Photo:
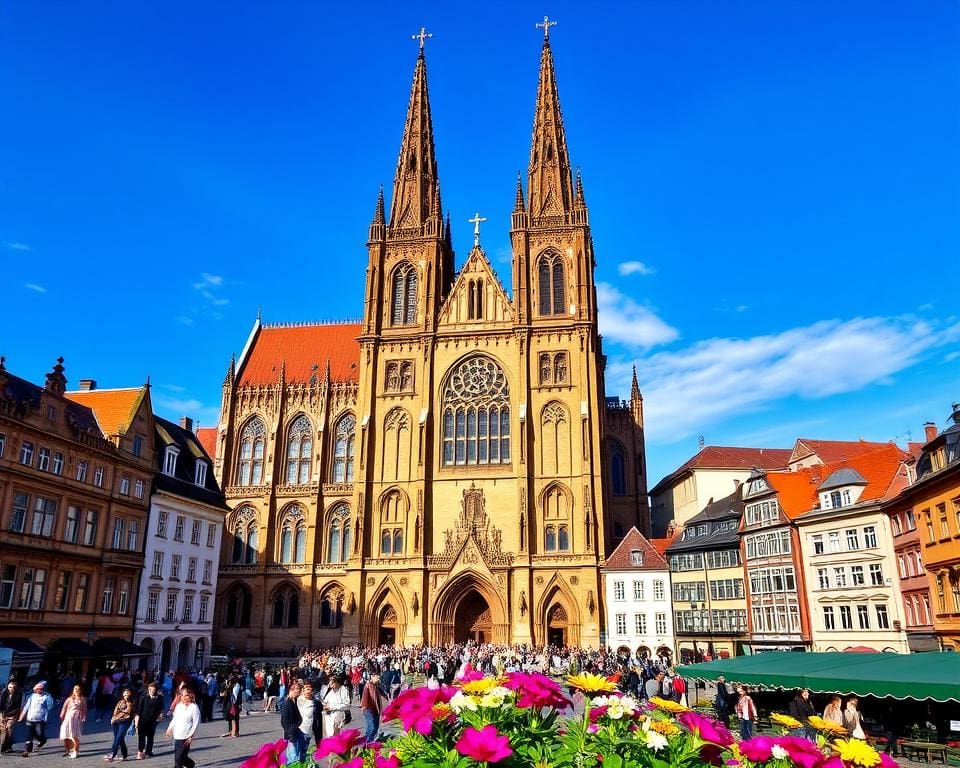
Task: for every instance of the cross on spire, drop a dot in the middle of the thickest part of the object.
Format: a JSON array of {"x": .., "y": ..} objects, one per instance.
[
  {"x": 546, "y": 24},
  {"x": 477, "y": 218},
  {"x": 422, "y": 36}
]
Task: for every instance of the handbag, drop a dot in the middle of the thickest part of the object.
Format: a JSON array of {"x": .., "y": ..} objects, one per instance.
[{"x": 347, "y": 716}]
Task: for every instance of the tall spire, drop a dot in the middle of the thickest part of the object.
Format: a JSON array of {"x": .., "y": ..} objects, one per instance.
[
  {"x": 549, "y": 183},
  {"x": 378, "y": 228},
  {"x": 415, "y": 196}
]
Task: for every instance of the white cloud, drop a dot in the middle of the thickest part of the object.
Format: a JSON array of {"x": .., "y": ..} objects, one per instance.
[
  {"x": 951, "y": 356},
  {"x": 175, "y": 407},
  {"x": 206, "y": 279},
  {"x": 624, "y": 321},
  {"x": 35, "y": 287},
  {"x": 716, "y": 379},
  {"x": 17, "y": 246},
  {"x": 635, "y": 268},
  {"x": 209, "y": 288},
  {"x": 183, "y": 319}
]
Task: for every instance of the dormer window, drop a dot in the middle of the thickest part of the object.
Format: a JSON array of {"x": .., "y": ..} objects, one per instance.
[
  {"x": 757, "y": 485},
  {"x": 170, "y": 460},
  {"x": 636, "y": 557},
  {"x": 200, "y": 478}
]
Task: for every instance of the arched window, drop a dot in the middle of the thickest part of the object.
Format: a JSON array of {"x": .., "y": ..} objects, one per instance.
[
  {"x": 476, "y": 414},
  {"x": 551, "y": 285},
  {"x": 344, "y": 435},
  {"x": 250, "y": 465},
  {"x": 404, "y": 310},
  {"x": 563, "y": 539},
  {"x": 239, "y": 604},
  {"x": 550, "y": 539},
  {"x": 618, "y": 476},
  {"x": 556, "y": 503},
  {"x": 331, "y": 609},
  {"x": 299, "y": 451},
  {"x": 397, "y": 542},
  {"x": 386, "y": 543},
  {"x": 293, "y": 535},
  {"x": 286, "y": 607},
  {"x": 245, "y": 526},
  {"x": 338, "y": 534}
]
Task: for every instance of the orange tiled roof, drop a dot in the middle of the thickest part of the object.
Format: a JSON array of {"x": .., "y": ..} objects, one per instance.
[
  {"x": 619, "y": 559},
  {"x": 113, "y": 408},
  {"x": 207, "y": 437},
  {"x": 831, "y": 451},
  {"x": 299, "y": 348}
]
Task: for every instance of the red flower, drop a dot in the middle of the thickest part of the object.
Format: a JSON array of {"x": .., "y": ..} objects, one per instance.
[
  {"x": 470, "y": 674},
  {"x": 484, "y": 745},
  {"x": 414, "y": 707},
  {"x": 597, "y": 712},
  {"x": 706, "y": 728},
  {"x": 711, "y": 755},
  {"x": 536, "y": 691},
  {"x": 759, "y": 749},
  {"x": 340, "y": 744},
  {"x": 268, "y": 756},
  {"x": 804, "y": 753}
]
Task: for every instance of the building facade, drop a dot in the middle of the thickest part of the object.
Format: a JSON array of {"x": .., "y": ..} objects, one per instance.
[
  {"x": 74, "y": 495},
  {"x": 709, "y": 598},
  {"x": 449, "y": 467},
  {"x": 637, "y": 588},
  {"x": 175, "y": 609}
]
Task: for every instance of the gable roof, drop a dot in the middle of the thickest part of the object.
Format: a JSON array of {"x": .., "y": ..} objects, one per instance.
[
  {"x": 831, "y": 451},
  {"x": 619, "y": 559},
  {"x": 728, "y": 457},
  {"x": 841, "y": 477},
  {"x": 208, "y": 439},
  {"x": 298, "y": 348},
  {"x": 725, "y": 509},
  {"x": 182, "y": 482},
  {"x": 498, "y": 310},
  {"x": 114, "y": 408},
  {"x": 27, "y": 395}
]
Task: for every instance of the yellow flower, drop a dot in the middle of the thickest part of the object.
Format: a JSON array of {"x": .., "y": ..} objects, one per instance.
[
  {"x": 857, "y": 752},
  {"x": 668, "y": 706},
  {"x": 826, "y": 725},
  {"x": 665, "y": 727},
  {"x": 481, "y": 686},
  {"x": 785, "y": 720},
  {"x": 590, "y": 683}
]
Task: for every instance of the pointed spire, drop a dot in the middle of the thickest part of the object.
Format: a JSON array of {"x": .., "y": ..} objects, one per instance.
[
  {"x": 231, "y": 371},
  {"x": 579, "y": 193},
  {"x": 635, "y": 387},
  {"x": 378, "y": 216},
  {"x": 414, "y": 188},
  {"x": 549, "y": 182},
  {"x": 518, "y": 204},
  {"x": 448, "y": 236},
  {"x": 378, "y": 229}
]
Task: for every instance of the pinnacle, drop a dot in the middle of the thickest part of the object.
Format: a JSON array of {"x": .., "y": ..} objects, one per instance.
[
  {"x": 378, "y": 216},
  {"x": 518, "y": 204}
]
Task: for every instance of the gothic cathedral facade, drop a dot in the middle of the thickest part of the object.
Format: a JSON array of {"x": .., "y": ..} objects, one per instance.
[{"x": 448, "y": 468}]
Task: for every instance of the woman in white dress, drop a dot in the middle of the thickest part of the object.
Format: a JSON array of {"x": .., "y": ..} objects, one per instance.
[{"x": 336, "y": 706}]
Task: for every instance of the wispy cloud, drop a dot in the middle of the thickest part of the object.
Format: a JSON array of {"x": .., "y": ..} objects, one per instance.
[
  {"x": 35, "y": 287},
  {"x": 625, "y": 321},
  {"x": 174, "y": 387},
  {"x": 635, "y": 268},
  {"x": 951, "y": 356},
  {"x": 175, "y": 407},
  {"x": 716, "y": 379},
  {"x": 184, "y": 320},
  {"x": 210, "y": 290},
  {"x": 14, "y": 246}
]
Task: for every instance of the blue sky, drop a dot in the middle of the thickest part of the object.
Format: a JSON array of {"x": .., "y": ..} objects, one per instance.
[{"x": 774, "y": 190}]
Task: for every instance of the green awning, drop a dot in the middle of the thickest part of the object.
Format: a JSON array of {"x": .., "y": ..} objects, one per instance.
[{"x": 933, "y": 676}]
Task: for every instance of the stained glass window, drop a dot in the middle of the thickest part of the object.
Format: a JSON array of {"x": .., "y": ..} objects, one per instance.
[
  {"x": 344, "y": 436},
  {"x": 299, "y": 451},
  {"x": 476, "y": 416},
  {"x": 550, "y": 284},
  {"x": 250, "y": 465}
]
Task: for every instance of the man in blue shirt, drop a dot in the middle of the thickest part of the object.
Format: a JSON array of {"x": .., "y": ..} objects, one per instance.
[{"x": 36, "y": 710}]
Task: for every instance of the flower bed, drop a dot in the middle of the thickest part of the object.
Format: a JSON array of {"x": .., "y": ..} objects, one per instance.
[{"x": 519, "y": 721}]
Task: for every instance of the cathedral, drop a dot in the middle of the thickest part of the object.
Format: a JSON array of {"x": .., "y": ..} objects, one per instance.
[{"x": 448, "y": 468}]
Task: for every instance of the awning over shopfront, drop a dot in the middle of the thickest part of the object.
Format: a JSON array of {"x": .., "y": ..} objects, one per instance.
[
  {"x": 904, "y": 676},
  {"x": 72, "y": 647},
  {"x": 117, "y": 646},
  {"x": 25, "y": 651}
]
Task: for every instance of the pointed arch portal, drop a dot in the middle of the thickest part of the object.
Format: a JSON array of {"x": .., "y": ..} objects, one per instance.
[
  {"x": 472, "y": 619},
  {"x": 469, "y": 607}
]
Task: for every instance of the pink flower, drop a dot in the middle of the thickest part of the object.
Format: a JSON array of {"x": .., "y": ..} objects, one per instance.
[
  {"x": 484, "y": 745},
  {"x": 888, "y": 762},
  {"x": 804, "y": 753},
  {"x": 354, "y": 762},
  {"x": 758, "y": 749},
  {"x": 833, "y": 762},
  {"x": 470, "y": 674},
  {"x": 414, "y": 707},
  {"x": 593, "y": 728},
  {"x": 706, "y": 728},
  {"x": 268, "y": 756},
  {"x": 597, "y": 712},
  {"x": 536, "y": 691},
  {"x": 340, "y": 744},
  {"x": 388, "y": 762}
]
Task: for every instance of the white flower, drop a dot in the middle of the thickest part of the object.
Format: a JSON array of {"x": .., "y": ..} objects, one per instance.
[
  {"x": 656, "y": 741},
  {"x": 778, "y": 752},
  {"x": 600, "y": 701},
  {"x": 495, "y": 697},
  {"x": 461, "y": 701}
]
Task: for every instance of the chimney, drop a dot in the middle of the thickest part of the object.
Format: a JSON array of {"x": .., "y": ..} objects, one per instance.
[
  {"x": 88, "y": 385},
  {"x": 186, "y": 423},
  {"x": 929, "y": 431}
]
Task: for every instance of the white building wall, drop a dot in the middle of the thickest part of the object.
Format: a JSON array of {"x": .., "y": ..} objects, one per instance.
[
  {"x": 182, "y": 638},
  {"x": 648, "y": 601}
]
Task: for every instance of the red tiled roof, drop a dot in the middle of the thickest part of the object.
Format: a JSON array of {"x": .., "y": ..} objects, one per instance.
[
  {"x": 729, "y": 457},
  {"x": 207, "y": 437},
  {"x": 830, "y": 451},
  {"x": 299, "y": 348},
  {"x": 661, "y": 545},
  {"x": 113, "y": 408},
  {"x": 619, "y": 559}
]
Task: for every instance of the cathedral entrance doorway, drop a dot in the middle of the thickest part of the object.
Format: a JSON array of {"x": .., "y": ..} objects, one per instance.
[
  {"x": 472, "y": 619},
  {"x": 557, "y": 626},
  {"x": 387, "y": 634}
]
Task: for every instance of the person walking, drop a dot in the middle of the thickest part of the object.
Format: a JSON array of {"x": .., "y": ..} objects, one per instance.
[
  {"x": 232, "y": 702},
  {"x": 149, "y": 713},
  {"x": 336, "y": 706},
  {"x": 853, "y": 720},
  {"x": 746, "y": 712},
  {"x": 35, "y": 711},
  {"x": 73, "y": 714},
  {"x": 11, "y": 702},
  {"x": 722, "y": 702},
  {"x": 310, "y": 723},
  {"x": 371, "y": 702},
  {"x": 833, "y": 712},
  {"x": 122, "y": 718},
  {"x": 290, "y": 721},
  {"x": 183, "y": 725}
]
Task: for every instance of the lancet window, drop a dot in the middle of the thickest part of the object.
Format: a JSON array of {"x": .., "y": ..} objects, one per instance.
[
  {"x": 476, "y": 414},
  {"x": 299, "y": 451},
  {"x": 245, "y": 536},
  {"x": 339, "y": 538},
  {"x": 404, "y": 298},
  {"x": 250, "y": 464},
  {"x": 551, "y": 284},
  {"x": 343, "y": 448},
  {"x": 293, "y": 535}
]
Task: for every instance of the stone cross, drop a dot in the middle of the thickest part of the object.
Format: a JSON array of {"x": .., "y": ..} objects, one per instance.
[
  {"x": 477, "y": 218},
  {"x": 546, "y": 24},
  {"x": 423, "y": 35}
]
